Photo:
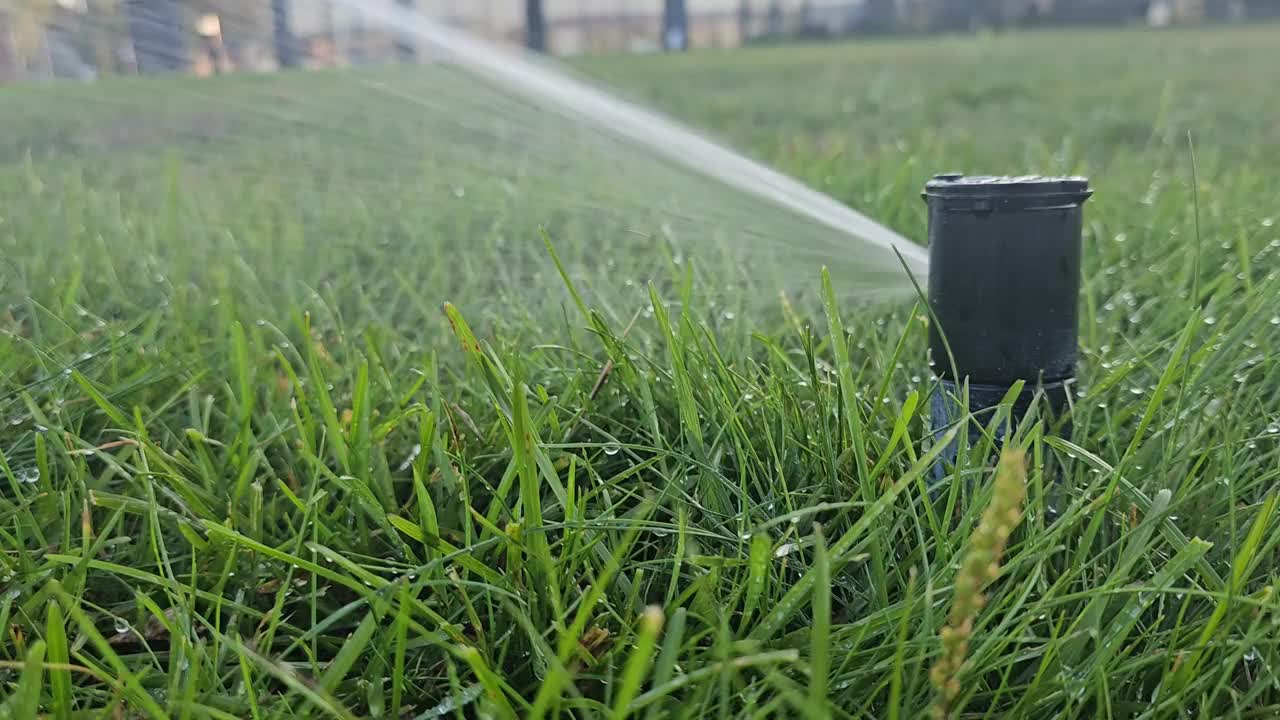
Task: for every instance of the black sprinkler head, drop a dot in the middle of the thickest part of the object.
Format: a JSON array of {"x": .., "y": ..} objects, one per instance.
[{"x": 1004, "y": 285}]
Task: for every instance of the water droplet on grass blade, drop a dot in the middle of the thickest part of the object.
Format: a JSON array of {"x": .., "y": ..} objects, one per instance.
[
  {"x": 413, "y": 455},
  {"x": 612, "y": 449},
  {"x": 121, "y": 625}
]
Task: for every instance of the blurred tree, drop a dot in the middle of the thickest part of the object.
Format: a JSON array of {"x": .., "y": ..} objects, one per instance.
[{"x": 535, "y": 26}]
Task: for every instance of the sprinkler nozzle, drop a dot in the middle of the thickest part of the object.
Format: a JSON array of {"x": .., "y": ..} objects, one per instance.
[{"x": 1004, "y": 285}]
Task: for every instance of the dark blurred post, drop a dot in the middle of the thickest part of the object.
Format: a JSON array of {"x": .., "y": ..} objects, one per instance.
[
  {"x": 286, "y": 49},
  {"x": 157, "y": 32},
  {"x": 744, "y": 21},
  {"x": 404, "y": 41},
  {"x": 880, "y": 17},
  {"x": 535, "y": 26},
  {"x": 8, "y": 54},
  {"x": 675, "y": 26},
  {"x": 775, "y": 19}
]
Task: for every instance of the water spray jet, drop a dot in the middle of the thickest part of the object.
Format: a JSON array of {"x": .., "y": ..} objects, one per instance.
[{"x": 1004, "y": 285}]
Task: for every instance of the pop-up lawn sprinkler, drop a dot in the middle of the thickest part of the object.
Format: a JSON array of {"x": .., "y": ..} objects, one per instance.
[{"x": 1004, "y": 284}]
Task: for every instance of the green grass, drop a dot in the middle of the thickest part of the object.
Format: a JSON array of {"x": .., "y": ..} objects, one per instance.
[{"x": 248, "y": 470}]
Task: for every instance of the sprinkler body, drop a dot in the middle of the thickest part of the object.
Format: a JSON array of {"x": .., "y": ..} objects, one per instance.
[{"x": 1004, "y": 284}]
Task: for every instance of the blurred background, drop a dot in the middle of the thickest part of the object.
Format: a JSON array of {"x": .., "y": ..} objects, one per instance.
[{"x": 82, "y": 39}]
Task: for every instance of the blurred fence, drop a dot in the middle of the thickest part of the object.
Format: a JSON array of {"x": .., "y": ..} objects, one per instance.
[{"x": 86, "y": 38}]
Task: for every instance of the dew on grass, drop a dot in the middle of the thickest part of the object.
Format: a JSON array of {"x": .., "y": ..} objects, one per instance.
[
  {"x": 413, "y": 455},
  {"x": 1210, "y": 320},
  {"x": 121, "y": 625},
  {"x": 29, "y": 475},
  {"x": 612, "y": 449},
  {"x": 785, "y": 550}
]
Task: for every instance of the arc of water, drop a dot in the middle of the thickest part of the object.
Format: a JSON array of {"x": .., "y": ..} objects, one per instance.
[{"x": 558, "y": 92}]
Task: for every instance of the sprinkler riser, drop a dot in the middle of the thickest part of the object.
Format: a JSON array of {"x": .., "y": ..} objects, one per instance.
[{"x": 1004, "y": 287}]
